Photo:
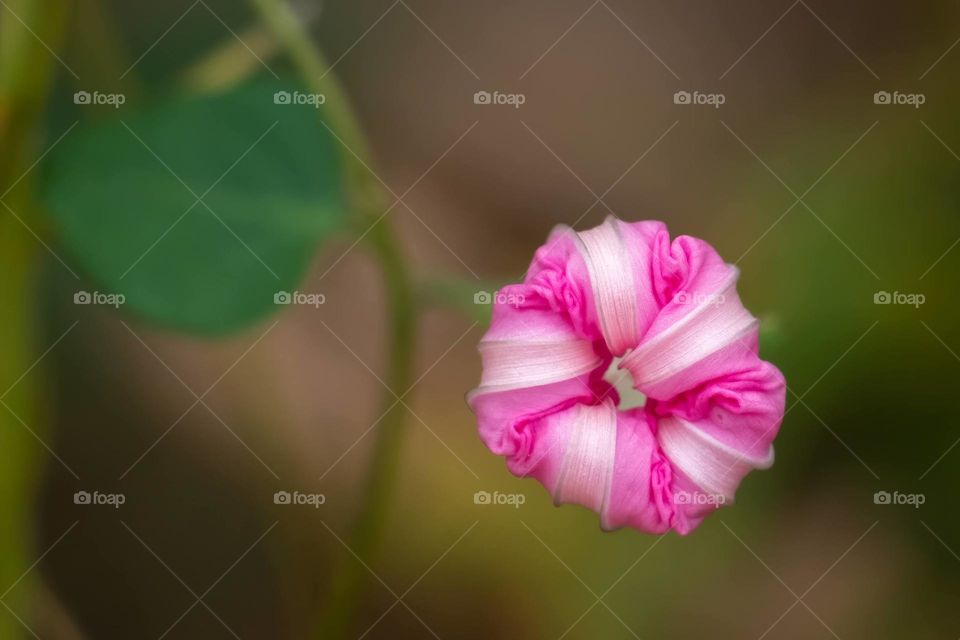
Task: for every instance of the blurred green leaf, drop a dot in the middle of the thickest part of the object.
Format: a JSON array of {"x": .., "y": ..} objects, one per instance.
[{"x": 201, "y": 209}]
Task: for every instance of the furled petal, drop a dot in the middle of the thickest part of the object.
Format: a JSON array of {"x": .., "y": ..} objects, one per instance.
[{"x": 671, "y": 313}]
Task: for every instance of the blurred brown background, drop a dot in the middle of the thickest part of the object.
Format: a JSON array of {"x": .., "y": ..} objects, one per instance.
[{"x": 806, "y": 552}]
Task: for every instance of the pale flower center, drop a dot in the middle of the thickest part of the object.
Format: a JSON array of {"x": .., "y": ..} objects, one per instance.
[{"x": 622, "y": 381}]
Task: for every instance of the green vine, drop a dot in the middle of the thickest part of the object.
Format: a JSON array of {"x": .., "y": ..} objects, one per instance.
[
  {"x": 369, "y": 202},
  {"x": 26, "y": 70}
]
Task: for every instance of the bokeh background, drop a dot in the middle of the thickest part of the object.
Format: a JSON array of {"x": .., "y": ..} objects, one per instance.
[{"x": 822, "y": 196}]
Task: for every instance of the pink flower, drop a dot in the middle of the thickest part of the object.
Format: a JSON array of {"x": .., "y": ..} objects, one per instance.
[{"x": 669, "y": 314}]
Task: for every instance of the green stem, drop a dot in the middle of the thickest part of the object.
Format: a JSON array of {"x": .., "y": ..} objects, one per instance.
[
  {"x": 345, "y": 593},
  {"x": 18, "y": 470},
  {"x": 338, "y": 113},
  {"x": 368, "y": 201},
  {"x": 25, "y": 75}
]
